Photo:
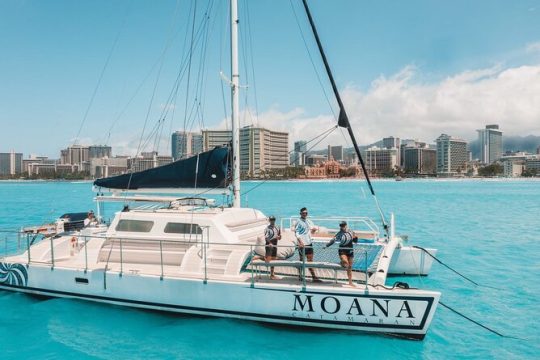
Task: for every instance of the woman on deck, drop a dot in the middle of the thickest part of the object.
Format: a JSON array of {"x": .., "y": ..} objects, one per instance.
[{"x": 345, "y": 238}]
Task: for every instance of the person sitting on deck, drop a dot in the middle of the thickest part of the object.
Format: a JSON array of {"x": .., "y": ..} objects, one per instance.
[
  {"x": 303, "y": 230},
  {"x": 345, "y": 238},
  {"x": 90, "y": 220},
  {"x": 272, "y": 234}
]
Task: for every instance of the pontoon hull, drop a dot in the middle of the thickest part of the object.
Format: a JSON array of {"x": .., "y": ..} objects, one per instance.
[
  {"x": 406, "y": 313},
  {"x": 408, "y": 260}
]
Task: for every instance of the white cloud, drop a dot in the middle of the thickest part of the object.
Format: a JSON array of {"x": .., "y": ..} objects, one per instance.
[
  {"x": 400, "y": 106},
  {"x": 533, "y": 47}
]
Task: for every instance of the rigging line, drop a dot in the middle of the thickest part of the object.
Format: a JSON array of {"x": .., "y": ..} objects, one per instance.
[
  {"x": 109, "y": 56},
  {"x": 173, "y": 95},
  {"x": 455, "y": 271},
  {"x": 326, "y": 133},
  {"x": 147, "y": 76},
  {"x": 205, "y": 79},
  {"x": 224, "y": 25},
  {"x": 312, "y": 61},
  {"x": 200, "y": 84},
  {"x": 478, "y": 323},
  {"x": 343, "y": 119},
  {"x": 250, "y": 40},
  {"x": 189, "y": 65}
]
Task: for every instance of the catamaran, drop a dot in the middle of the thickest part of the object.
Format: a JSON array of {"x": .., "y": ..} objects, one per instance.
[{"x": 189, "y": 255}]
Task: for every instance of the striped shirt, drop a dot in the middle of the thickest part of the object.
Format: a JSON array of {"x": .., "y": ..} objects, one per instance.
[
  {"x": 271, "y": 232},
  {"x": 303, "y": 230},
  {"x": 344, "y": 238}
]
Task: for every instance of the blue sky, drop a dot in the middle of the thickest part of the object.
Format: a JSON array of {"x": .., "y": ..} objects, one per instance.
[{"x": 406, "y": 68}]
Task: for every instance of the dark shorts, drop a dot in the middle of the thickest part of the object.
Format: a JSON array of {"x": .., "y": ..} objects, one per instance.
[
  {"x": 271, "y": 251},
  {"x": 308, "y": 250},
  {"x": 347, "y": 252}
]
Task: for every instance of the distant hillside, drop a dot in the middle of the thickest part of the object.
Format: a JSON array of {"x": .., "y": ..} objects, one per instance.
[{"x": 510, "y": 143}]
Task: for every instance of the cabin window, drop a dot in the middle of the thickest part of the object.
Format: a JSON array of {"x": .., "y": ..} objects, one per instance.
[
  {"x": 182, "y": 228},
  {"x": 134, "y": 225}
]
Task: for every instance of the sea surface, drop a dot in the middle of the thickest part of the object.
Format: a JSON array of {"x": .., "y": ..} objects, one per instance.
[{"x": 487, "y": 230}]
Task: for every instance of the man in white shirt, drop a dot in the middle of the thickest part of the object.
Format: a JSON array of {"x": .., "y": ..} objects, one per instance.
[
  {"x": 90, "y": 220},
  {"x": 303, "y": 230}
]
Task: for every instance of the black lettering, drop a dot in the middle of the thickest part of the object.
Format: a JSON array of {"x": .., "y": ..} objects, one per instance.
[
  {"x": 355, "y": 305},
  {"x": 405, "y": 307},
  {"x": 380, "y": 306},
  {"x": 336, "y": 302},
  {"x": 298, "y": 300}
]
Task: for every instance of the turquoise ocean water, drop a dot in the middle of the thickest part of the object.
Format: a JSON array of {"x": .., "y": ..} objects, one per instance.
[{"x": 488, "y": 230}]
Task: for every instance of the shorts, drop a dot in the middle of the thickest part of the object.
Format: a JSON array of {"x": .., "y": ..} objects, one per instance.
[
  {"x": 347, "y": 252},
  {"x": 271, "y": 251},
  {"x": 308, "y": 250}
]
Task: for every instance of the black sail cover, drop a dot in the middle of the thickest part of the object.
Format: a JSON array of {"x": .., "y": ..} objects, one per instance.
[{"x": 212, "y": 173}]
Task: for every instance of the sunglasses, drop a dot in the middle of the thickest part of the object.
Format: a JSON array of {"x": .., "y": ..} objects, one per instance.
[{"x": 303, "y": 213}]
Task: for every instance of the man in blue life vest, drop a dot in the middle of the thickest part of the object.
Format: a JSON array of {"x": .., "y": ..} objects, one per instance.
[
  {"x": 303, "y": 230},
  {"x": 345, "y": 238},
  {"x": 272, "y": 234}
]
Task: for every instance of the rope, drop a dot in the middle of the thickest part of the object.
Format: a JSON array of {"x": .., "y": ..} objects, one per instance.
[
  {"x": 101, "y": 76},
  {"x": 455, "y": 271},
  {"x": 478, "y": 323}
]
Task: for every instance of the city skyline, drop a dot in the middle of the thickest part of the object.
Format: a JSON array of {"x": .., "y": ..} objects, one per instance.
[{"x": 447, "y": 73}]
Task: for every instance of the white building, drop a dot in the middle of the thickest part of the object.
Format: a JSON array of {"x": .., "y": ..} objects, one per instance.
[
  {"x": 260, "y": 148},
  {"x": 379, "y": 161},
  {"x": 451, "y": 155},
  {"x": 490, "y": 140}
]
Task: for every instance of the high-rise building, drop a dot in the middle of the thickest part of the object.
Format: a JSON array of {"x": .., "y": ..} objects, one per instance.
[
  {"x": 393, "y": 143},
  {"x": 262, "y": 149},
  {"x": 105, "y": 167},
  {"x": 148, "y": 160},
  {"x": 335, "y": 152},
  {"x": 74, "y": 155},
  {"x": 300, "y": 146},
  {"x": 186, "y": 144},
  {"x": 213, "y": 138},
  {"x": 380, "y": 161},
  {"x": 451, "y": 155},
  {"x": 420, "y": 160},
  {"x": 10, "y": 163},
  {"x": 490, "y": 140},
  {"x": 99, "y": 151},
  {"x": 298, "y": 156},
  {"x": 538, "y": 150}
]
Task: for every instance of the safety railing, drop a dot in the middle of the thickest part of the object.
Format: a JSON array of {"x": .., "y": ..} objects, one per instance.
[
  {"x": 200, "y": 258},
  {"x": 15, "y": 242},
  {"x": 328, "y": 226}
]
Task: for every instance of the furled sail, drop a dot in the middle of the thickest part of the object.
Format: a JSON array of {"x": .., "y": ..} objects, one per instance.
[{"x": 206, "y": 170}]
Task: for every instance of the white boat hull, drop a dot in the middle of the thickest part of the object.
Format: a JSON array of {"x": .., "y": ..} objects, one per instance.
[
  {"x": 403, "y": 312},
  {"x": 408, "y": 260}
]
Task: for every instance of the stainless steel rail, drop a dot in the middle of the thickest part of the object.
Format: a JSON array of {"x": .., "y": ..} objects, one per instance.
[{"x": 119, "y": 245}]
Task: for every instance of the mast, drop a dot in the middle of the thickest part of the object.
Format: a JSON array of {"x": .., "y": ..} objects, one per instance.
[
  {"x": 343, "y": 119},
  {"x": 235, "y": 104}
]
